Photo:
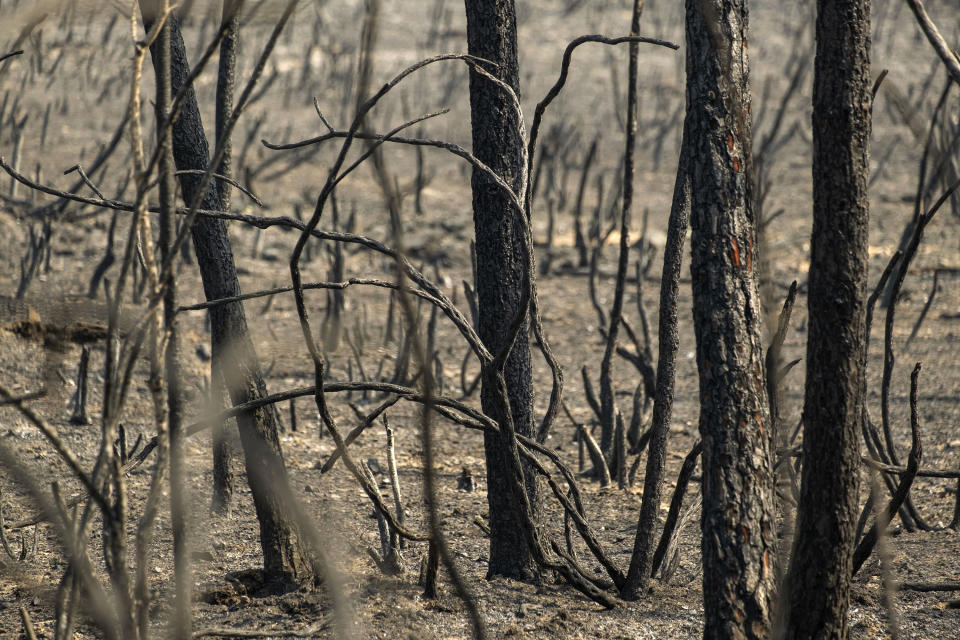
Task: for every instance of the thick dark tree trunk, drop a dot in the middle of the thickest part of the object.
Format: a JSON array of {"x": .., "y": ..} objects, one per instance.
[
  {"x": 492, "y": 34},
  {"x": 739, "y": 545},
  {"x": 233, "y": 350},
  {"x": 820, "y": 573}
]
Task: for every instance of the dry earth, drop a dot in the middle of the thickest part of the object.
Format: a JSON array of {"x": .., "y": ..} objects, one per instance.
[{"x": 72, "y": 86}]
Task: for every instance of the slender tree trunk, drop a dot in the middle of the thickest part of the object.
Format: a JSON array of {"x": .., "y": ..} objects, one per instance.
[
  {"x": 818, "y": 583},
  {"x": 233, "y": 350},
  {"x": 222, "y": 450},
  {"x": 739, "y": 533},
  {"x": 607, "y": 404},
  {"x": 492, "y": 34},
  {"x": 226, "y": 81},
  {"x": 181, "y": 622},
  {"x": 668, "y": 334}
]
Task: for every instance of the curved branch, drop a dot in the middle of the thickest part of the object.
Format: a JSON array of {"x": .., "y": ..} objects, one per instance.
[
  {"x": 311, "y": 285},
  {"x": 865, "y": 548},
  {"x": 564, "y": 72},
  {"x": 264, "y": 222},
  {"x": 933, "y": 36},
  {"x": 888, "y": 356},
  {"x": 556, "y": 393}
]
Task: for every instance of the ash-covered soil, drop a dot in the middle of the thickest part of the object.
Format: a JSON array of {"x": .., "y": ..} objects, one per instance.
[{"x": 65, "y": 96}]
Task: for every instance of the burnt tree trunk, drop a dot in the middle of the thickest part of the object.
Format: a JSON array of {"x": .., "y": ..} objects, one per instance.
[
  {"x": 497, "y": 142},
  {"x": 739, "y": 545},
  {"x": 668, "y": 334},
  {"x": 818, "y": 583},
  {"x": 223, "y": 479},
  {"x": 226, "y": 81},
  {"x": 641, "y": 561},
  {"x": 284, "y": 560},
  {"x": 608, "y": 409}
]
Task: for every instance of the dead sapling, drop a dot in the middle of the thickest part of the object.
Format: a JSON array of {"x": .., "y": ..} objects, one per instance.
[
  {"x": 866, "y": 545},
  {"x": 389, "y": 559},
  {"x": 401, "y": 371},
  {"x": 396, "y": 542},
  {"x": 429, "y": 569},
  {"x": 545, "y": 265},
  {"x": 470, "y": 294},
  {"x": 356, "y": 344},
  {"x": 579, "y": 240},
  {"x": 596, "y": 253},
  {"x": 423, "y": 179},
  {"x": 27, "y": 548},
  {"x": 79, "y": 399},
  {"x": 667, "y": 547},
  {"x": 901, "y": 267},
  {"x": 105, "y": 263},
  {"x": 336, "y": 302},
  {"x": 38, "y": 248},
  {"x": 926, "y": 306},
  {"x": 641, "y": 358},
  {"x": 18, "y": 129},
  {"x": 620, "y": 451},
  {"x": 433, "y": 356},
  {"x": 600, "y": 470}
]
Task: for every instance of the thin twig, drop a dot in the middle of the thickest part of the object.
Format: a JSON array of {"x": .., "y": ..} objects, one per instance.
[
  {"x": 224, "y": 178},
  {"x": 11, "y": 54}
]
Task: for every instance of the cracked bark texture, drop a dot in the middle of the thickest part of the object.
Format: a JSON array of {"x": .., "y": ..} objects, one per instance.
[
  {"x": 818, "y": 583},
  {"x": 739, "y": 545},
  {"x": 497, "y": 142}
]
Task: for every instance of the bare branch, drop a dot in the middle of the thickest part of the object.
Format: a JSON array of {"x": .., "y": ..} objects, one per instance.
[{"x": 930, "y": 30}]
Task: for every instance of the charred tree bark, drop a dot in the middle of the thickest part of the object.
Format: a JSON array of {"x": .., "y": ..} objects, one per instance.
[
  {"x": 819, "y": 579},
  {"x": 668, "y": 333},
  {"x": 497, "y": 142},
  {"x": 233, "y": 351},
  {"x": 641, "y": 561},
  {"x": 739, "y": 535}
]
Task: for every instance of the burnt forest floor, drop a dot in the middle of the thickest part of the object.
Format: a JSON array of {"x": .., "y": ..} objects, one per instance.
[{"x": 73, "y": 107}]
